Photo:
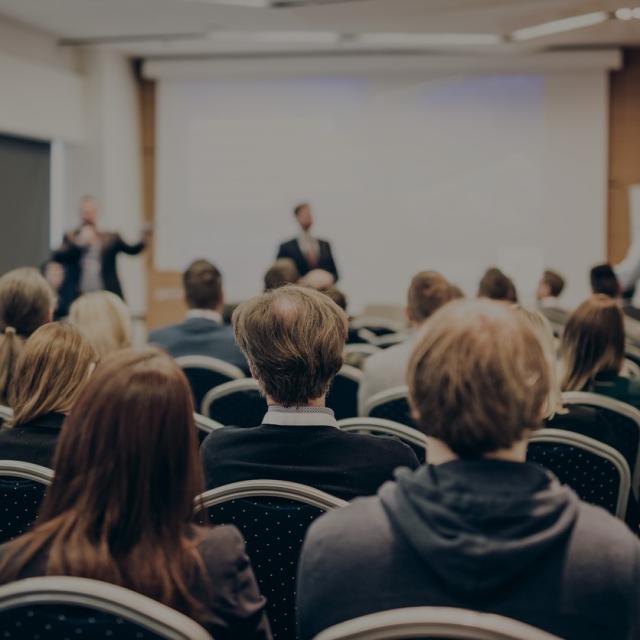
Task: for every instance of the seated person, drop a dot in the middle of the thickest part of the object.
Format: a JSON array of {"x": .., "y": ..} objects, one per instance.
[
  {"x": 121, "y": 503},
  {"x": 203, "y": 332},
  {"x": 478, "y": 527},
  {"x": 548, "y": 293},
  {"x": 592, "y": 351},
  {"x": 27, "y": 302},
  {"x": 282, "y": 271},
  {"x": 293, "y": 338},
  {"x": 495, "y": 285},
  {"x": 428, "y": 291},
  {"x": 52, "y": 369},
  {"x": 341, "y": 300},
  {"x": 628, "y": 308}
]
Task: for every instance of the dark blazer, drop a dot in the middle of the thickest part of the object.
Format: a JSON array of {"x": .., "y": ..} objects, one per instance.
[
  {"x": 235, "y": 608},
  {"x": 34, "y": 441},
  {"x": 343, "y": 464},
  {"x": 70, "y": 255},
  {"x": 291, "y": 250},
  {"x": 202, "y": 337}
]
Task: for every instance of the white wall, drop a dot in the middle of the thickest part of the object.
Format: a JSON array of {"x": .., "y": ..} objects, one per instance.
[{"x": 442, "y": 170}]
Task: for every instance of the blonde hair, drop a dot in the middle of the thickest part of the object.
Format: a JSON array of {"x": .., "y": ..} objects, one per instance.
[
  {"x": 51, "y": 371},
  {"x": 542, "y": 327},
  {"x": 293, "y": 338},
  {"x": 478, "y": 378},
  {"x": 104, "y": 319},
  {"x": 592, "y": 342},
  {"x": 26, "y": 303}
]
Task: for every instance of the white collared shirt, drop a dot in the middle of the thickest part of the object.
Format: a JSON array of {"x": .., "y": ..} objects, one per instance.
[
  {"x": 208, "y": 314},
  {"x": 550, "y": 302},
  {"x": 307, "y": 244},
  {"x": 300, "y": 416}
]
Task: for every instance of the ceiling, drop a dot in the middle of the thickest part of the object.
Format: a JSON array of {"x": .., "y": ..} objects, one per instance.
[{"x": 160, "y": 28}]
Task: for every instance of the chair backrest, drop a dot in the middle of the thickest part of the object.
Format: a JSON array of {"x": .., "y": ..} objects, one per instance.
[
  {"x": 22, "y": 487},
  {"x": 390, "y": 339},
  {"x": 205, "y": 425},
  {"x": 392, "y": 404},
  {"x": 433, "y": 622},
  {"x": 238, "y": 403},
  {"x": 378, "y": 426},
  {"x": 66, "y": 607},
  {"x": 205, "y": 373},
  {"x": 610, "y": 421},
  {"x": 6, "y": 413},
  {"x": 273, "y": 517},
  {"x": 596, "y": 472},
  {"x": 377, "y": 326},
  {"x": 630, "y": 369},
  {"x": 356, "y": 354},
  {"x": 343, "y": 395}
]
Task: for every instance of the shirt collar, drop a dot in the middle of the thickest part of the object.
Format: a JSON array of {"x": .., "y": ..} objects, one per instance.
[
  {"x": 208, "y": 314},
  {"x": 300, "y": 416},
  {"x": 549, "y": 302}
]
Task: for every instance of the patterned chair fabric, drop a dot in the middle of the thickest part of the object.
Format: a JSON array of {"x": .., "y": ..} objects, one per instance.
[
  {"x": 238, "y": 403},
  {"x": 391, "y": 405}
]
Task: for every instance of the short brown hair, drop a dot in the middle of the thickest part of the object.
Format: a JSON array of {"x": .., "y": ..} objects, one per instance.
[
  {"x": 51, "y": 371},
  {"x": 293, "y": 338},
  {"x": 554, "y": 281},
  {"x": 592, "y": 342},
  {"x": 202, "y": 285},
  {"x": 428, "y": 291},
  {"x": 337, "y": 296},
  {"x": 495, "y": 285},
  {"x": 478, "y": 378},
  {"x": 282, "y": 271}
]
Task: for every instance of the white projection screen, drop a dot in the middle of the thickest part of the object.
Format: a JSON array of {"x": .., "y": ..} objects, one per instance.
[{"x": 455, "y": 172}]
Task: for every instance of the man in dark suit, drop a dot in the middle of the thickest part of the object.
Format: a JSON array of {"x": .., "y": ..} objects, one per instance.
[
  {"x": 203, "y": 332},
  {"x": 308, "y": 252},
  {"x": 293, "y": 338},
  {"x": 89, "y": 255}
]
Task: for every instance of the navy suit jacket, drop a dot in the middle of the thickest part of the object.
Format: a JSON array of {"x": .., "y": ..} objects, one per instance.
[
  {"x": 291, "y": 250},
  {"x": 202, "y": 337}
]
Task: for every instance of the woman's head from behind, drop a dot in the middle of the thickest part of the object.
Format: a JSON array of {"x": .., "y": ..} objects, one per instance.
[
  {"x": 592, "y": 342},
  {"x": 50, "y": 372},
  {"x": 104, "y": 318},
  {"x": 26, "y": 303}
]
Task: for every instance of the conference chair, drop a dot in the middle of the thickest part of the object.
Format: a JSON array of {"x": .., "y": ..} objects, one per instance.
[
  {"x": 602, "y": 418},
  {"x": 355, "y": 354},
  {"x": 238, "y": 403},
  {"x": 595, "y": 471},
  {"x": 390, "y": 340},
  {"x": 380, "y": 427},
  {"x": 273, "y": 517},
  {"x": 205, "y": 425},
  {"x": 377, "y": 326},
  {"x": 65, "y": 607},
  {"x": 630, "y": 369},
  {"x": 22, "y": 487},
  {"x": 433, "y": 622},
  {"x": 6, "y": 413},
  {"x": 205, "y": 373},
  {"x": 343, "y": 395},
  {"x": 392, "y": 404}
]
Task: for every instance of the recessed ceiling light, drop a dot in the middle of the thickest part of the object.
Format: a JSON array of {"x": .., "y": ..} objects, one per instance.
[
  {"x": 429, "y": 39},
  {"x": 560, "y": 26},
  {"x": 624, "y": 14}
]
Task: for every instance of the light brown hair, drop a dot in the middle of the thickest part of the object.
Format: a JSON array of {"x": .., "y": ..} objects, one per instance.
[
  {"x": 282, "y": 271},
  {"x": 478, "y": 378},
  {"x": 26, "y": 303},
  {"x": 104, "y": 319},
  {"x": 592, "y": 342},
  {"x": 127, "y": 472},
  {"x": 554, "y": 281},
  {"x": 293, "y": 338},
  {"x": 495, "y": 285},
  {"x": 51, "y": 371},
  {"x": 428, "y": 291},
  {"x": 202, "y": 284}
]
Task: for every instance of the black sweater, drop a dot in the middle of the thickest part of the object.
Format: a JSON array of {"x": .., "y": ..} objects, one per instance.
[{"x": 34, "y": 441}]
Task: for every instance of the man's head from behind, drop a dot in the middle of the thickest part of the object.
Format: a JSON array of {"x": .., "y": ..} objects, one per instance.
[
  {"x": 303, "y": 215},
  {"x": 496, "y": 285},
  {"x": 604, "y": 280},
  {"x": 282, "y": 271},
  {"x": 203, "y": 286},
  {"x": 293, "y": 338},
  {"x": 551, "y": 285},
  {"x": 428, "y": 292},
  {"x": 478, "y": 378}
]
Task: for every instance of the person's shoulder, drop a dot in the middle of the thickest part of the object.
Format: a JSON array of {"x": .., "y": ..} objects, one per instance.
[
  {"x": 218, "y": 438},
  {"x": 222, "y": 547},
  {"x": 387, "y": 451},
  {"x": 162, "y": 333}
]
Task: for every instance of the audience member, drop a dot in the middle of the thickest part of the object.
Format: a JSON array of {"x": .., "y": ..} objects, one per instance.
[
  {"x": 293, "y": 338},
  {"x": 495, "y": 285},
  {"x": 203, "y": 332},
  {"x": 52, "y": 369},
  {"x": 478, "y": 528},
  {"x": 282, "y": 271},
  {"x": 105, "y": 319},
  {"x": 26, "y": 303},
  {"x": 121, "y": 503},
  {"x": 628, "y": 308},
  {"x": 592, "y": 351},
  {"x": 428, "y": 291},
  {"x": 338, "y": 296},
  {"x": 548, "y": 293},
  {"x": 54, "y": 274}
]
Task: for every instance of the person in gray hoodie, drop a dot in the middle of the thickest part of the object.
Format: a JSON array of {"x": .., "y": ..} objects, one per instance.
[{"x": 478, "y": 527}]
